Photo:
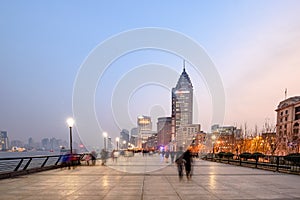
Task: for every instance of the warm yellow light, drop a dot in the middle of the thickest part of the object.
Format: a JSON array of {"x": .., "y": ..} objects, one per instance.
[
  {"x": 213, "y": 137},
  {"x": 70, "y": 122},
  {"x": 117, "y": 139}
]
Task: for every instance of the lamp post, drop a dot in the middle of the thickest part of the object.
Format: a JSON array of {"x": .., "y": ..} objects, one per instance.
[
  {"x": 104, "y": 140},
  {"x": 213, "y": 138},
  {"x": 117, "y": 141},
  {"x": 70, "y": 122}
]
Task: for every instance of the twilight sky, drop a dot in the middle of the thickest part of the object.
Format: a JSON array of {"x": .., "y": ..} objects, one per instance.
[{"x": 254, "y": 45}]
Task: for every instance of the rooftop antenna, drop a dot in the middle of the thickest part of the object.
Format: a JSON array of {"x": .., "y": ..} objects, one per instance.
[{"x": 285, "y": 93}]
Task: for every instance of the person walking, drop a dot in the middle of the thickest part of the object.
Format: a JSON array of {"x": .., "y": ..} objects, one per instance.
[
  {"x": 180, "y": 163},
  {"x": 187, "y": 157},
  {"x": 167, "y": 154},
  {"x": 103, "y": 155},
  {"x": 172, "y": 153}
]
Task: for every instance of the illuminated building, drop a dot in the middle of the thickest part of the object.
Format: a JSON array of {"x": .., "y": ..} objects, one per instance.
[
  {"x": 182, "y": 110},
  {"x": 182, "y": 102},
  {"x": 144, "y": 123},
  {"x": 287, "y": 126},
  {"x": 3, "y": 141},
  {"x": 186, "y": 134}
]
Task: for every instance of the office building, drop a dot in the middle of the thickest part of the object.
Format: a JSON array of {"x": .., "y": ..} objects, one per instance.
[
  {"x": 3, "y": 141},
  {"x": 164, "y": 131},
  {"x": 287, "y": 126},
  {"x": 182, "y": 102}
]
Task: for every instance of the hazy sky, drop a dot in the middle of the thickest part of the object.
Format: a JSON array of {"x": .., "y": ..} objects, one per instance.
[{"x": 255, "y": 46}]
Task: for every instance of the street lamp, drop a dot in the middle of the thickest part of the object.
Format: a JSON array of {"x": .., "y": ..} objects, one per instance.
[
  {"x": 70, "y": 122},
  {"x": 213, "y": 138},
  {"x": 117, "y": 141},
  {"x": 104, "y": 139}
]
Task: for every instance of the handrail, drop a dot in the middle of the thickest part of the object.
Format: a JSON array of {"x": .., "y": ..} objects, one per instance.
[
  {"x": 28, "y": 157},
  {"x": 13, "y": 166},
  {"x": 277, "y": 165}
]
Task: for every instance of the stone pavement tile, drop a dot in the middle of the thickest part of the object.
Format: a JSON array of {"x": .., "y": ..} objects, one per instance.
[
  {"x": 12, "y": 197},
  {"x": 159, "y": 192},
  {"x": 271, "y": 196},
  {"x": 84, "y": 197},
  {"x": 125, "y": 192},
  {"x": 161, "y": 196},
  {"x": 22, "y": 192},
  {"x": 199, "y": 197},
  {"x": 194, "y": 192},
  {"x": 90, "y": 192},
  {"x": 43, "y": 197},
  {"x": 237, "y": 197},
  {"x": 122, "y": 197}
]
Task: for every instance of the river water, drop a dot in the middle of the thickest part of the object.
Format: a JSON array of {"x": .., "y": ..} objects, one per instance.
[{"x": 25, "y": 154}]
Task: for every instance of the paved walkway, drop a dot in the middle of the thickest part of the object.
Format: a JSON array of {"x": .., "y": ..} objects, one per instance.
[{"x": 146, "y": 178}]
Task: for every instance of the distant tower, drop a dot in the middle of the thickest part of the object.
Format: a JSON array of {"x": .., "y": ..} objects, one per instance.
[
  {"x": 3, "y": 141},
  {"x": 182, "y": 102}
]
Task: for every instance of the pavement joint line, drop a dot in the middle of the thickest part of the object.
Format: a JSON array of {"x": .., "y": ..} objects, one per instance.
[
  {"x": 173, "y": 187},
  {"x": 205, "y": 189},
  {"x": 113, "y": 187},
  {"x": 143, "y": 188}
]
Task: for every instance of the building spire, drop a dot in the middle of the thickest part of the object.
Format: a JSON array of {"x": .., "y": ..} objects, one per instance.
[
  {"x": 183, "y": 65},
  {"x": 285, "y": 93}
]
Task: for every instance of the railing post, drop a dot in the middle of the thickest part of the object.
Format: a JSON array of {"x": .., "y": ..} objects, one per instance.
[
  {"x": 44, "y": 163},
  {"x": 27, "y": 164},
  {"x": 277, "y": 163},
  {"x": 240, "y": 161},
  {"x": 256, "y": 161},
  {"x": 59, "y": 157},
  {"x": 18, "y": 166}
]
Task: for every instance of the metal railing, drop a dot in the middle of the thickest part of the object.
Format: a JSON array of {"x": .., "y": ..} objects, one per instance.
[
  {"x": 14, "y": 166},
  {"x": 272, "y": 163}
]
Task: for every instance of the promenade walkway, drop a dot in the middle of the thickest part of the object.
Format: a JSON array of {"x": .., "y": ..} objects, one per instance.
[{"x": 145, "y": 178}]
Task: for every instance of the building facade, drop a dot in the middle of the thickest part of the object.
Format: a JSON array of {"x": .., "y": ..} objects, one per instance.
[
  {"x": 124, "y": 139},
  {"x": 144, "y": 125},
  {"x": 182, "y": 102},
  {"x": 4, "y": 144},
  {"x": 287, "y": 126},
  {"x": 186, "y": 134},
  {"x": 164, "y": 131}
]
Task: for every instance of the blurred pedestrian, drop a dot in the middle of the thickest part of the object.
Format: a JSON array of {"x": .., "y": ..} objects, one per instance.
[
  {"x": 103, "y": 156},
  {"x": 172, "y": 153},
  {"x": 180, "y": 163},
  {"x": 187, "y": 156},
  {"x": 167, "y": 154},
  {"x": 94, "y": 157}
]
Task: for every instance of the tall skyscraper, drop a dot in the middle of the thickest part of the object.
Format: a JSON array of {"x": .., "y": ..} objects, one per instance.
[
  {"x": 182, "y": 102},
  {"x": 182, "y": 112}
]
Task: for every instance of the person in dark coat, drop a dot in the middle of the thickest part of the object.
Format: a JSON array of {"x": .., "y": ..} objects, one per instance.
[
  {"x": 187, "y": 157},
  {"x": 180, "y": 163}
]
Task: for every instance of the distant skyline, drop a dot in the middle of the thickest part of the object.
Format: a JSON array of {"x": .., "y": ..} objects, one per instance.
[{"x": 254, "y": 45}]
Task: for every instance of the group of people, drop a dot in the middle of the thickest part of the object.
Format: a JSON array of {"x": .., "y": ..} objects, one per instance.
[{"x": 183, "y": 161}]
